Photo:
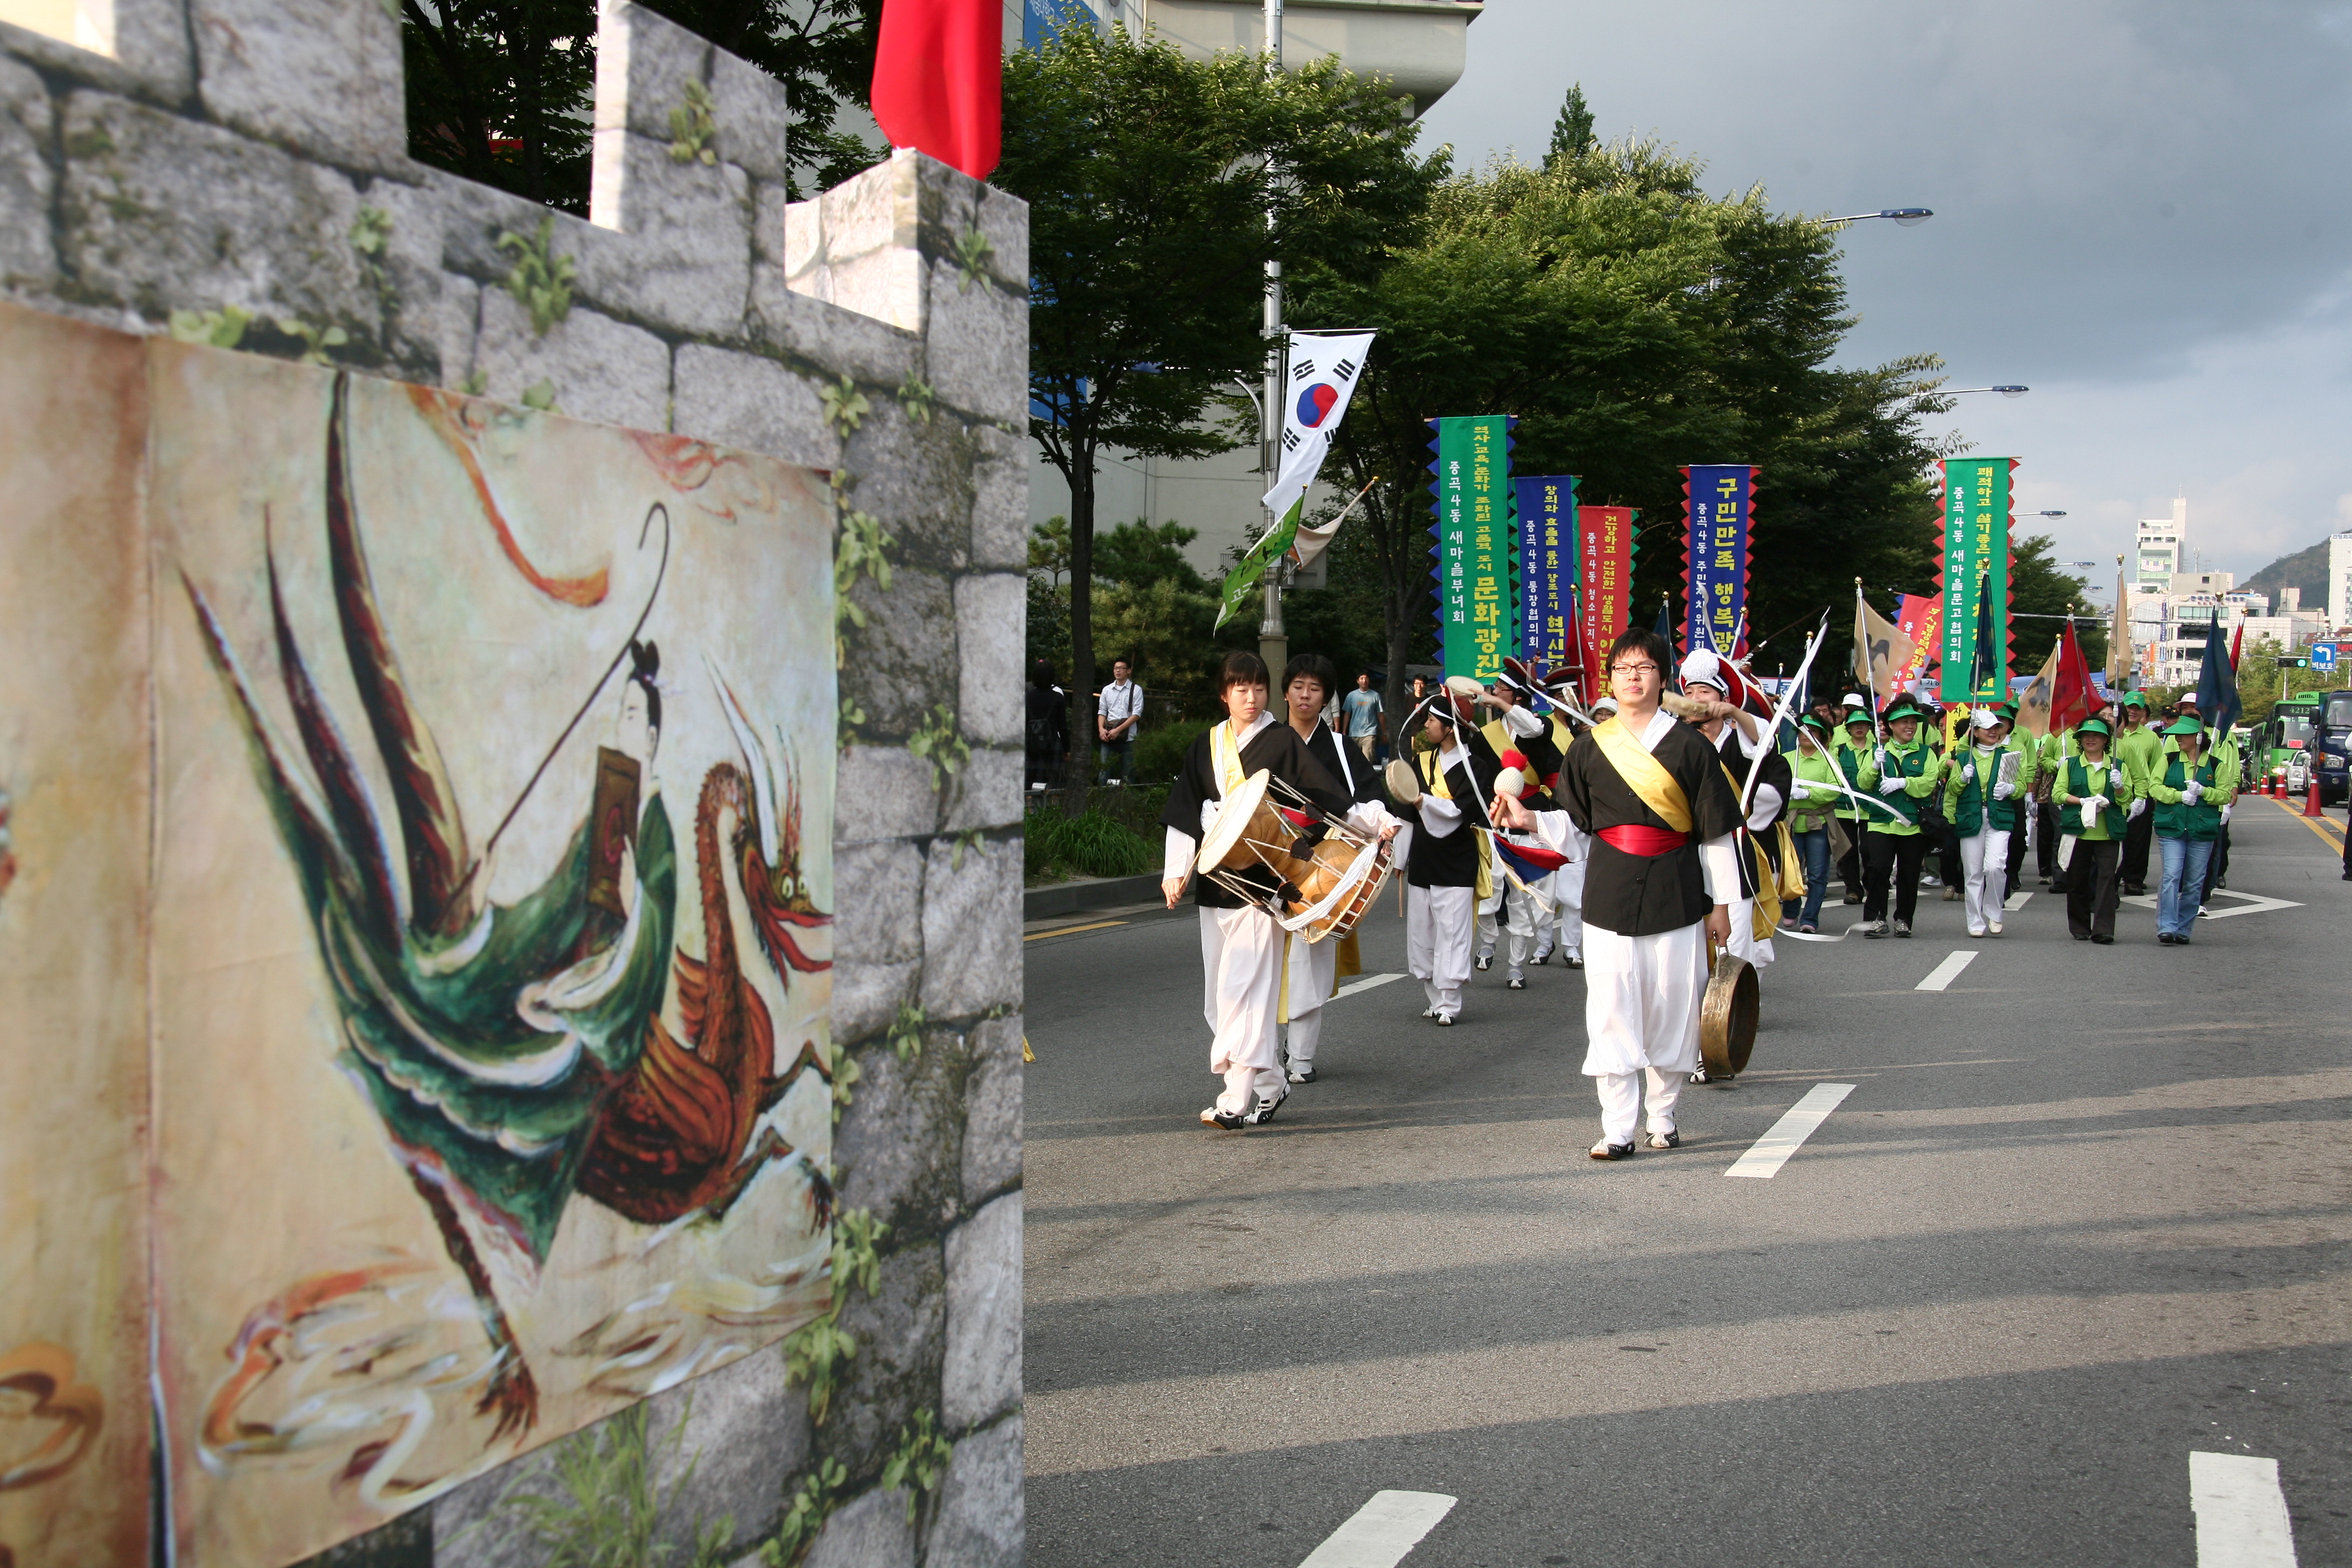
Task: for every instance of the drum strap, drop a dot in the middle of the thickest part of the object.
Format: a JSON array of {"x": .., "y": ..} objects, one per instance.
[
  {"x": 1643, "y": 774},
  {"x": 1225, "y": 753}
]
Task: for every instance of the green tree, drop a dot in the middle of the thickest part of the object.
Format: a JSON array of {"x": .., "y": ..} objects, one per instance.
[
  {"x": 1158, "y": 189},
  {"x": 500, "y": 90},
  {"x": 1572, "y": 133}
]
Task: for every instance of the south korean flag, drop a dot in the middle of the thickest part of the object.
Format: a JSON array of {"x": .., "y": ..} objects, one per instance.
[{"x": 1322, "y": 376}]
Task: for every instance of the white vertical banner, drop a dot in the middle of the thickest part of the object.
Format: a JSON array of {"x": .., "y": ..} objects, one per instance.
[{"x": 1320, "y": 379}]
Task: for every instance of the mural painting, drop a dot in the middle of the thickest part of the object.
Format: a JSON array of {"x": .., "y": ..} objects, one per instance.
[{"x": 489, "y": 932}]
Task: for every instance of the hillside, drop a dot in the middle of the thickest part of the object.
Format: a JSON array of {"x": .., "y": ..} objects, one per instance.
[{"x": 2306, "y": 569}]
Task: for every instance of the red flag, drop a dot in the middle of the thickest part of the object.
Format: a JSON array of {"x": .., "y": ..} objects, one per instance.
[
  {"x": 939, "y": 79},
  {"x": 2237, "y": 641},
  {"x": 2074, "y": 698}
]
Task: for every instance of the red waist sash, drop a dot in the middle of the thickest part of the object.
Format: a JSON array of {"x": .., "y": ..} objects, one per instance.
[{"x": 1635, "y": 838}]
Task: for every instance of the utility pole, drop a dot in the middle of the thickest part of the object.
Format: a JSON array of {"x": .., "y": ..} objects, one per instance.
[{"x": 1272, "y": 645}]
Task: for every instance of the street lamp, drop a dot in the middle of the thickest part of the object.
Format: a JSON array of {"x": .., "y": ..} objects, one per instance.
[
  {"x": 2062, "y": 514},
  {"x": 1909, "y": 217},
  {"x": 1963, "y": 391}
]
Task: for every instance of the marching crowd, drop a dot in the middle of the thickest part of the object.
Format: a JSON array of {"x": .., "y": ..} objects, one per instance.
[{"x": 1640, "y": 839}]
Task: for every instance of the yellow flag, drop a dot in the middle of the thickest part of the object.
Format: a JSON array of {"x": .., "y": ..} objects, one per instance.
[
  {"x": 2033, "y": 702},
  {"x": 1879, "y": 646}
]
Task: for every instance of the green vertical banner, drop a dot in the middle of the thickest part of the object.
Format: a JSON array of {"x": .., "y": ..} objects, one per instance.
[
  {"x": 1975, "y": 574},
  {"x": 1478, "y": 547}
]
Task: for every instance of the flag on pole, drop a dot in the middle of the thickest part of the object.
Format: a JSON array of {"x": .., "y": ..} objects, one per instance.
[
  {"x": 2120, "y": 663},
  {"x": 1989, "y": 669},
  {"x": 2216, "y": 690},
  {"x": 1881, "y": 650},
  {"x": 2236, "y": 644},
  {"x": 939, "y": 79},
  {"x": 1320, "y": 379},
  {"x": 2074, "y": 697},
  {"x": 1666, "y": 627}
]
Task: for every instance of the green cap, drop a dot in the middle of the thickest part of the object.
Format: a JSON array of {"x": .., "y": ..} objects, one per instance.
[
  {"x": 1903, "y": 705},
  {"x": 2092, "y": 726},
  {"x": 1814, "y": 721},
  {"x": 2136, "y": 700},
  {"x": 2185, "y": 725}
]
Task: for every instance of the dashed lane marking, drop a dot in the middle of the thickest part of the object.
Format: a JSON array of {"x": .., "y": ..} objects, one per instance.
[
  {"x": 1769, "y": 1153},
  {"x": 1366, "y": 983},
  {"x": 1944, "y": 973},
  {"x": 2242, "y": 1519},
  {"x": 2016, "y": 900},
  {"x": 1384, "y": 1530}
]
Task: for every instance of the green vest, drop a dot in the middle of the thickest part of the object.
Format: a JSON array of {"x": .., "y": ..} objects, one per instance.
[
  {"x": 2178, "y": 818},
  {"x": 1970, "y": 802},
  {"x": 1899, "y": 813},
  {"x": 2080, "y": 782}
]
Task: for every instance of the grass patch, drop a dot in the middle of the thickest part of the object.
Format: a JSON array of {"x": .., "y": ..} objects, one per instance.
[{"x": 1056, "y": 847}]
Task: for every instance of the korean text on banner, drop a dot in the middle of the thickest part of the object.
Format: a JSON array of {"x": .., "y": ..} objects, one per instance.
[
  {"x": 1974, "y": 560},
  {"x": 1547, "y": 506},
  {"x": 1918, "y": 616},
  {"x": 1604, "y": 565},
  {"x": 1477, "y": 550},
  {"x": 1718, "y": 499}
]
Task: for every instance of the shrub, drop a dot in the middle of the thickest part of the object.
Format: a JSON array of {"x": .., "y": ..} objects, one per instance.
[
  {"x": 1056, "y": 847},
  {"x": 1160, "y": 753}
]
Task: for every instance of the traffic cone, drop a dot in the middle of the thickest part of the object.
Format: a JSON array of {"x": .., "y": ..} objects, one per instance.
[{"x": 2311, "y": 801}]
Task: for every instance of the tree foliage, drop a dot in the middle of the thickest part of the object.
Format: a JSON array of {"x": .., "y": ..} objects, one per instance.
[
  {"x": 1571, "y": 133},
  {"x": 1157, "y": 188},
  {"x": 1634, "y": 324},
  {"x": 500, "y": 90}
]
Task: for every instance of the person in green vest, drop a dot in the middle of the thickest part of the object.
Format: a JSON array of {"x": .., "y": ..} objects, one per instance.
[
  {"x": 2050, "y": 755},
  {"x": 2094, "y": 797},
  {"x": 2189, "y": 796},
  {"x": 2231, "y": 762},
  {"x": 1814, "y": 787},
  {"x": 1900, "y": 775},
  {"x": 1984, "y": 779},
  {"x": 2141, "y": 752},
  {"x": 1858, "y": 736},
  {"x": 2028, "y": 771}
]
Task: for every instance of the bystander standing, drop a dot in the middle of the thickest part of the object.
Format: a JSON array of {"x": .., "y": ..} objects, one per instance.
[
  {"x": 1367, "y": 725},
  {"x": 1119, "y": 714}
]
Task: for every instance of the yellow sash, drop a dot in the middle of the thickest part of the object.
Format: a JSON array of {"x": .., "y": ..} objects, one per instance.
[
  {"x": 1498, "y": 735},
  {"x": 1644, "y": 773},
  {"x": 1434, "y": 782},
  {"x": 1225, "y": 753}
]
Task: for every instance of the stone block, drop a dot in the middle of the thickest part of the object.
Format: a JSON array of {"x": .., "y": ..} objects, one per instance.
[
  {"x": 982, "y": 1377},
  {"x": 29, "y": 256},
  {"x": 875, "y": 210},
  {"x": 979, "y": 1521},
  {"x": 870, "y": 1531},
  {"x": 405, "y": 1543},
  {"x": 149, "y": 58},
  {"x": 986, "y": 793},
  {"x": 471, "y": 1531},
  {"x": 901, "y": 666},
  {"x": 913, "y": 473},
  {"x": 883, "y": 791},
  {"x": 161, "y": 213},
  {"x": 1002, "y": 220},
  {"x": 972, "y": 929},
  {"x": 992, "y": 621},
  {"x": 979, "y": 347},
  {"x": 751, "y": 108},
  {"x": 870, "y": 351},
  {"x": 867, "y": 997},
  {"x": 473, "y": 217},
  {"x": 643, "y": 63},
  {"x": 999, "y": 499},
  {"x": 991, "y": 1110},
  {"x": 321, "y": 77},
  {"x": 878, "y": 903},
  {"x": 601, "y": 369},
  {"x": 686, "y": 265},
  {"x": 743, "y": 400},
  {"x": 900, "y": 1337},
  {"x": 899, "y": 1142},
  {"x": 724, "y": 1444},
  {"x": 887, "y": 284}
]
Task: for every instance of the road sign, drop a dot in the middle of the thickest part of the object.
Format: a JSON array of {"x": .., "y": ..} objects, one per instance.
[{"x": 2323, "y": 655}]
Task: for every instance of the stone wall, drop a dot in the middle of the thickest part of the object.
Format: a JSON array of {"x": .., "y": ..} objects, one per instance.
[{"x": 237, "y": 172}]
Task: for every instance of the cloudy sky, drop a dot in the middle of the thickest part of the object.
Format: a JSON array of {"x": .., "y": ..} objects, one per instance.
[{"x": 2141, "y": 212}]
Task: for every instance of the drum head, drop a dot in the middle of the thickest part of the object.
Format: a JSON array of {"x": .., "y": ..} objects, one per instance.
[
  {"x": 1726, "y": 1019},
  {"x": 1232, "y": 820}
]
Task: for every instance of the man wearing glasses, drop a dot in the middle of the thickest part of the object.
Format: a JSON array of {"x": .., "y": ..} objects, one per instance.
[{"x": 1652, "y": 794}]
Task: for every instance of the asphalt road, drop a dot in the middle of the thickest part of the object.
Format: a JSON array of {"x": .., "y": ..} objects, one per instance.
[{"x": 2085, "y": 1213}]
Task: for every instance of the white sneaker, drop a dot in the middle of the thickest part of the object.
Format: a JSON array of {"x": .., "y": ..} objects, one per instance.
[{"x": 1994, "y": 928}]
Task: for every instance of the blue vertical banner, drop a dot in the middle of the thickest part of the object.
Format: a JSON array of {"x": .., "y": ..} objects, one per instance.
[
  {"x": 1718, "y": 500},
  {"x": 1546, "y": 505},
  {"x": 1475, "y": 552}
]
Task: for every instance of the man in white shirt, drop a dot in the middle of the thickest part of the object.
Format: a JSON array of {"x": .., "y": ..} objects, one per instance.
[{"x": 1118, "y": 713}]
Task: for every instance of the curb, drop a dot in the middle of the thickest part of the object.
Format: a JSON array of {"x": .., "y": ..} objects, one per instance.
[{"x": 1088, "y": 893}]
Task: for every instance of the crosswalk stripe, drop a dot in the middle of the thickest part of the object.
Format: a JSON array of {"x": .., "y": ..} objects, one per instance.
[
  {"x": 2242, "y": 1519},
  {"x": 1944, "y": 973},
  {"x": 1366, "y": 983},
  {"x": 2017, "y": 900},
  {"x": 1382, "y": 1530},
  {"x": 1769, "y": 1153}
]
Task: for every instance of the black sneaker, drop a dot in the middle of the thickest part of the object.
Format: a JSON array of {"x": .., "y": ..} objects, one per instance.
[
  {"x": 1607, "y": 1150},
  {"x": 1302, "y": 1075},
  {"x": 1575, "y": 963},
  {"x": 1517, "y": 982},
  {"x": 1444, "y": 1020},
  {"x": 1701, "y": 1077},
  {"x": 1263, "y": 1112},
  {"x": 1902, "y": 928},
  {"x": 1874, "y": 930},
  {"x": 1544, "y": 957},
  {"x": 2103, "y": 941},
  {"x": 1486, "y": 962},
  {"x": 1227, "y": 1119},
  {"x": 1665, "y": 1140}
]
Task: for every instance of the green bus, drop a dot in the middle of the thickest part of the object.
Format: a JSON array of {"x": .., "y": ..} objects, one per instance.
[{"x": 2292, "y": 728}]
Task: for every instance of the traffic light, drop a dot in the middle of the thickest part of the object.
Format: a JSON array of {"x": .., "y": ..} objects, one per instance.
[{"x": 2296, "y": 661}]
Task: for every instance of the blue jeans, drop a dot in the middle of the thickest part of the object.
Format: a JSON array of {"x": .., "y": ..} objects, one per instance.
[
  {"x": 2183, "y": 888},
  {"x": 1813, "y": 855},
  {"x": 1117, "y": 759}
]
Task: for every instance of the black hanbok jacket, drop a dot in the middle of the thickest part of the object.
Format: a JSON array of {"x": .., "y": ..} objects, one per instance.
[
  {"x": 1643, "y": 895},
  {"x": 1276, "y": 748}
]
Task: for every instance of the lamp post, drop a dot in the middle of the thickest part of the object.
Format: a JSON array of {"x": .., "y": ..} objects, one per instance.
[
  {"x": 2004, "y": 390},
  {"x": 1273, "y": 644},
  {"x": 1909, "y": 217}
]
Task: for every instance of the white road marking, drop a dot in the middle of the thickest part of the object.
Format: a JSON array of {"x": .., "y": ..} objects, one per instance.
[
  {"x": 1366, "y": 983},
  {"x": 1944, "y": 973},
  {"x": 2242, "y": 1519},
  {"x": 1770, "y": 1152},
  {"x": 2016, "y": 900},
  {"x": 1384, "y": 1529},
  {"x": 2254, "y": 904}
]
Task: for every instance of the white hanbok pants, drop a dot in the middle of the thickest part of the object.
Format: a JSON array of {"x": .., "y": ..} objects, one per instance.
[
  {"x": 1642, "y": 1001},
  {"x": 1437, "y": 927},
  {"x": 1313, "y": 965},
  {"x": 1519, "y": 915},
  {"x": 1567, "y": 892},
  {"x": 1240, "y": 970},
  {"x": 1743, "y": 943},
  {"x": 1984, "y": 856}
]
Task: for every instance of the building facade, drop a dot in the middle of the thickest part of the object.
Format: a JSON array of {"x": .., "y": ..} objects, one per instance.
[{"x": 2339, "y": 581}]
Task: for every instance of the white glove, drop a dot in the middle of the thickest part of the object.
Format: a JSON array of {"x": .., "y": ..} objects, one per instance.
[
  {"x": 2193, "y": 792},
  {"x": 1967, "y": 773},
  {"x": 2003, "y": 791},
  {"x": 2226, "y": 811},
  {"x": 2136, "y": 807},
  {"x": 1892, "y": 784},
  {"x": 2115, "y": 779},
  {"x": 1880, "y": 757}
]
